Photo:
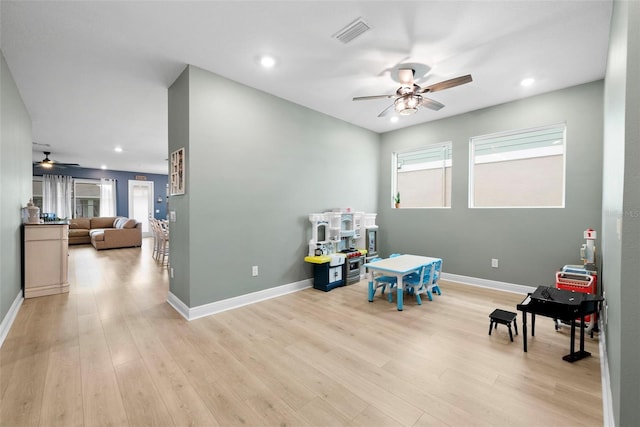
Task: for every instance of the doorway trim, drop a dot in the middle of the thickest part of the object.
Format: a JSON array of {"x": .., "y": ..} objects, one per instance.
[{"x": 149, "y": 184}]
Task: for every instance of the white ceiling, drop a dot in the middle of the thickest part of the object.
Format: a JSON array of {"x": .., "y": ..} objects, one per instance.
[{"x": 94, "y": 75}]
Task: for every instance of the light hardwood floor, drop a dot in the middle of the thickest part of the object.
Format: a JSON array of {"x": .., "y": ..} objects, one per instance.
[{"x": 113, "y": 352}]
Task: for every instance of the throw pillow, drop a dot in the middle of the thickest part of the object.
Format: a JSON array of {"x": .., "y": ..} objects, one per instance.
[{"x": 130, "y": 223}]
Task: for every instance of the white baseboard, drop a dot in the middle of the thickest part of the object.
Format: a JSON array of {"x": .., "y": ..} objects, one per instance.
[
  {"x": 235, "y": 302},
  {"x": 8, "y": 320},
  {"x": 490, "y": 284},
  {"x": 178, "y": 305},
  {"x": 608, "y": 419},
  {"x": 242, "y": 300}
]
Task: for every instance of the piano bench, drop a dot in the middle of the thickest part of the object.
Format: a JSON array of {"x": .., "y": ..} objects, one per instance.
[{"x": 504, "y": 318}]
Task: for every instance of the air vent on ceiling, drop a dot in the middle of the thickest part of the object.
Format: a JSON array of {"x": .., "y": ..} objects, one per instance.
[{"x": 351, "y": 31}]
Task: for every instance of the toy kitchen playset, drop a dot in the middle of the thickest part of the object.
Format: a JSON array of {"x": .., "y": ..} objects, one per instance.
[
  {"x": 341, "y": 240},
  {"x": 582, "y": 278}
]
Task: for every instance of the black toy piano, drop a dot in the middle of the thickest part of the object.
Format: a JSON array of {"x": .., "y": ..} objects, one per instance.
[{"x": 560, "y": 304}]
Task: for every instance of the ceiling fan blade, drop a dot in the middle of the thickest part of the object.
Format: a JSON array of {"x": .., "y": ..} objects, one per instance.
[
  {"x": 47, "y": 163},
  {"x": 366, "y": 98},
  {"x": 405, "y": 76},
  {"x": 386, "y": 111},
  {"x": 431, "y": 104},
  {"x": 48, "y": 166},
  {"x": 447, "y": 84}
]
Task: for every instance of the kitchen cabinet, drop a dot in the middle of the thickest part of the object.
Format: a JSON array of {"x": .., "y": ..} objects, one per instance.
[
  {"x": 327, "y": 276},
  {"x": 45, "y": 259}
]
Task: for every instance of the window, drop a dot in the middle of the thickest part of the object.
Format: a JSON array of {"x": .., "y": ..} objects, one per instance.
[
  {"x": 86, "y": 198},
  {"x": 523, "y": 168},
  {"x": 37, "y": 191},
  {"x": 423, "y": 176}
]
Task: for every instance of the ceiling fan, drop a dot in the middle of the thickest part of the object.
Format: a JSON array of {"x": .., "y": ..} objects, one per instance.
[
  {"x": 47, "y": 163},
  {"x": 409, "y": 96}
]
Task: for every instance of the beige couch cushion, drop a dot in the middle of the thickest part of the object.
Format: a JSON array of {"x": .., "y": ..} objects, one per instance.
[
  {"x": 82, "y": 223},
  {"x": 97, "y": 235},
  {"x": 78, "y": 232},
  {"x": 102, "y": 222}
]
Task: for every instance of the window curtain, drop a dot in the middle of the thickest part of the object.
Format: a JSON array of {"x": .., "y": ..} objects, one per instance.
[
  {"x": 108, "y": 197},
  {"x": 56, "y": 195}
]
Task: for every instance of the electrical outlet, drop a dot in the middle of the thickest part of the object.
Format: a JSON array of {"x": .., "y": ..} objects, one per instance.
[
  {"x": 494, "y": 262},
  {"x": 172, "y": 216},
  {"x": 254, "y": 270}
]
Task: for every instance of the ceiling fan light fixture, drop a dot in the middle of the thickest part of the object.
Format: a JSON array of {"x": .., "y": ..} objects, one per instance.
[
  {"x": 408, "y": 104},
  {"x": 408, "y": 111}
]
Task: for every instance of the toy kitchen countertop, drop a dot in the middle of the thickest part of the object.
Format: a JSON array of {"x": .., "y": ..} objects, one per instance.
[{"x": 322, "y": 259}]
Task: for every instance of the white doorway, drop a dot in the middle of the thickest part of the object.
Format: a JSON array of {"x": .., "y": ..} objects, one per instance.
[{"x": 141, "y": 203}]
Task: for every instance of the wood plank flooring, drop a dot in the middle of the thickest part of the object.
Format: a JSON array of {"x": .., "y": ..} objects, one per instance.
[{"x": 113, "y": 352}]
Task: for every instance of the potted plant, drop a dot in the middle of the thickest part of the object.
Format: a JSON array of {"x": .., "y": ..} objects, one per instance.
[{"x": 397, "y": 199}]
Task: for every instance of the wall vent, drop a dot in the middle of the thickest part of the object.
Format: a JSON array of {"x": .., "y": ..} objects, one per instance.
[{"x": 351, "y": 31}]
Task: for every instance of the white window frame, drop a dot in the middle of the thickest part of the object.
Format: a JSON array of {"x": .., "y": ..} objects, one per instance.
[
  {"x": 82, "y": 181},
  {"x": 394, "y": 173},
  {"x": 38, "y": 197},
  {"x": 522, "y": 154}
]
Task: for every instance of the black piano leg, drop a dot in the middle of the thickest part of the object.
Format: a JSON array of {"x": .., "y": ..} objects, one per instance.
[
  {"x": 582, "y": 335},
  {"x": 524, "y": 330},
  {"x": 573, "y": 355},
  {"x": 572, "y": 345},
  {"x": 533, "y": 324}
]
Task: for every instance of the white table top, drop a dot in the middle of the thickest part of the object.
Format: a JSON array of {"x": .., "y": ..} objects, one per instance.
[{"x": 402, "y": 264}]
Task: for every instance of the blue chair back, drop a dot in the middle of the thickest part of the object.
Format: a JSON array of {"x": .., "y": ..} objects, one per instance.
[
  {"x": 437, "y": 268},
  {"x": 423, "y": 277}
]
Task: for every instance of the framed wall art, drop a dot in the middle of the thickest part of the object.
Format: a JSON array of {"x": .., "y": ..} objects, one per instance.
[{"x": 177, "y": 172}]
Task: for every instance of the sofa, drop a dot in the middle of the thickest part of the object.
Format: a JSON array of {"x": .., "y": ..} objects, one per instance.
[{"x": 105, "y": 232}]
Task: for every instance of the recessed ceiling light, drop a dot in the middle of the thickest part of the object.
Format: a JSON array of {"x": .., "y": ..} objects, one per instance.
[
  {"x": 267, "y": 61},
  {"x": 527, "y": 82},
  {"x": 118, "y": 149},
  {"x": 394, "y": 119}
]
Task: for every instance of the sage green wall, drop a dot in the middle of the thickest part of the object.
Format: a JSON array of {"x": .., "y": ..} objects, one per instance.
[
  {"x": 530, "y": 244},
  {"x": 257, "y": 166},
  {"x": 179, "y": 255},
  {"x": 15, "y": 183},
  {"x": 621, "y": 211}
]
